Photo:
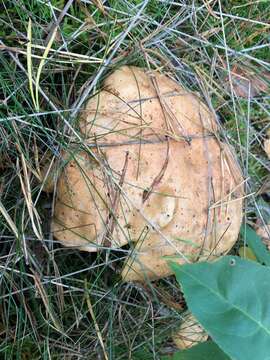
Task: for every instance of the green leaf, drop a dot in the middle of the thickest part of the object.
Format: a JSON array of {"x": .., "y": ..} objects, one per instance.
[
  {"x": 230, "y": 298},
  {"x": 204, "y": 351},
  {"x": 255, "y": 243}
]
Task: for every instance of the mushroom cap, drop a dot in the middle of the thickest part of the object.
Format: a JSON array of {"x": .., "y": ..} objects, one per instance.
[
  {"x": 267, "y": 147},
  {"x": 267, "y": 144},
  {"x": 190, "y": 333},
  {"x": 156, "y": 177}
]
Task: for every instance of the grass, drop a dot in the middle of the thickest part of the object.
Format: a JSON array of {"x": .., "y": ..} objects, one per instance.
[{"x": 59, "y": 303}]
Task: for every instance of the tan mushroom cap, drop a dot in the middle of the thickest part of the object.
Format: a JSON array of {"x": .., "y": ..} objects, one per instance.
[
  {"x": 158, "y": 178},
  {"x": 190, "y": 333},
  {"x": 267, "y": 147}
]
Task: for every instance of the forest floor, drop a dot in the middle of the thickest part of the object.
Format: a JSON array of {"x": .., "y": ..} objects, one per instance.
[{"x": 61, "y": 303}]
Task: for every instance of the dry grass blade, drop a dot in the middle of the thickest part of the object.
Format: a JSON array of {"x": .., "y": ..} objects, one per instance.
[
  {"x": 41, "y": 64},
  {"x": 71, "y": 56},
  {"x": 99, "y": 335},
  {"x": 60, "y": 18},
  {"x": 26, "y": 189},
  {"x": 41, "y": 290},
  {"x": 100, "y": 6},
  {"x": 68, "y": 54},
  {"x": 8, "y": 219},
  {"x": 110, "y": 222},
  {"x": 158, "y": 178},
  {"x": 29, "y": 61}
]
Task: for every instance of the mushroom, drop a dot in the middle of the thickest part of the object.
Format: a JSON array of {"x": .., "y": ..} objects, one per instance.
[
  {"x": 153, "y": 174},
  {"x": 189, "y": 333},
  {"x": 267, "y": 144}
]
